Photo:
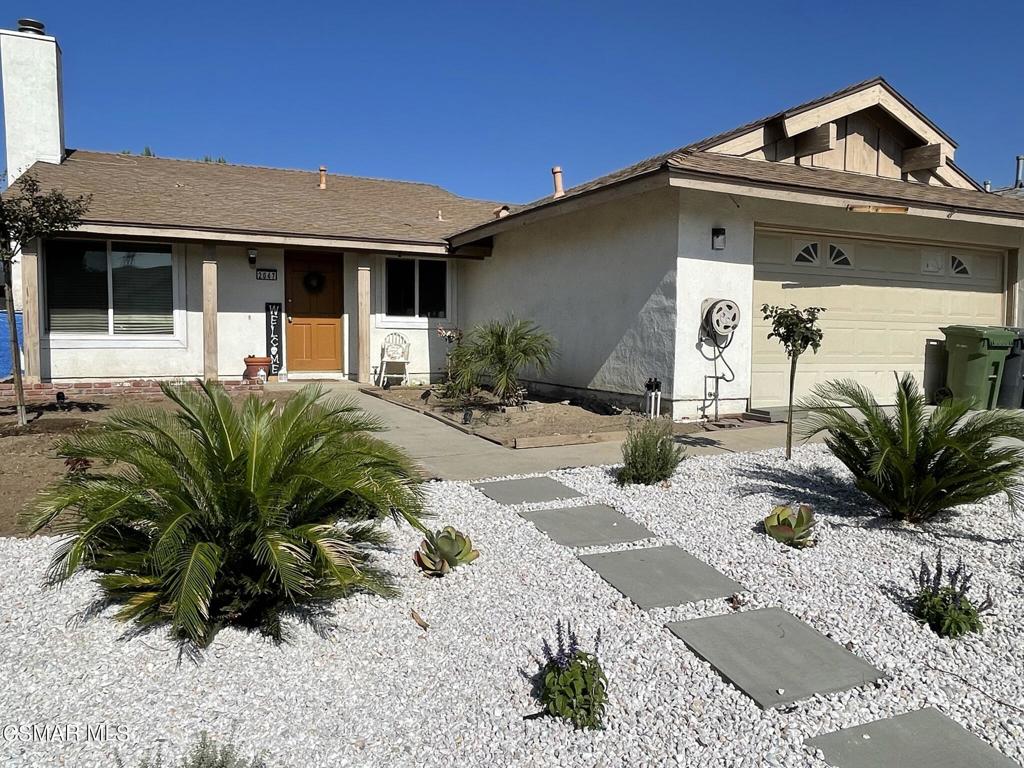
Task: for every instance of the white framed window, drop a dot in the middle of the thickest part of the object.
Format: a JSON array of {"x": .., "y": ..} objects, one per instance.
[
  {"x": 807, "y": 254},
  {"x": 104, "y": 291},
  {"x": 840, "y": 255},
  {"x": 959, "y": 265},
  {"x": 416, "y": 289}
]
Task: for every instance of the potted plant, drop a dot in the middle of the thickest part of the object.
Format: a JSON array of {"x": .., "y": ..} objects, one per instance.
[{"x": 253, "y": 365}]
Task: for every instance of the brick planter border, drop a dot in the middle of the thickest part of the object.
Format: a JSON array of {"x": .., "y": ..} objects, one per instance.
[{"x": 79, "y": 389}]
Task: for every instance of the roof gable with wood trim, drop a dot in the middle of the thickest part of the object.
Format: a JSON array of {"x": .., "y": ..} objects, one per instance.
[{"x": 867, "y": 128}]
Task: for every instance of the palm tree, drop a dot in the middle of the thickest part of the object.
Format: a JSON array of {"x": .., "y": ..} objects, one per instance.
[
  {"x": 914, "y": 464},
  {"x": 216, "y": 514},
  {"x": 499, "y": 351}
]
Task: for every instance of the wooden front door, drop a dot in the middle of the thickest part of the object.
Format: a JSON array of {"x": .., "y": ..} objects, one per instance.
[{"x": 313, "y": 302}]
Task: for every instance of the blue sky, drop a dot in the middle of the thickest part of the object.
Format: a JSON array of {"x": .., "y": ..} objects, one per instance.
[{"x": 483, "y": 98}]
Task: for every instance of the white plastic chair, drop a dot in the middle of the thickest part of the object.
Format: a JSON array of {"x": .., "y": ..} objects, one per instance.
[{"x": 394, "y": 352}]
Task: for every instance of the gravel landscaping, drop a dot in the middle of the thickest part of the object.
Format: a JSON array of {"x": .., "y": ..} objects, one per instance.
[{"x": 381, "y": 691}]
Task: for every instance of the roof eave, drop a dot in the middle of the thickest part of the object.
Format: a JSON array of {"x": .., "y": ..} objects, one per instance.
[
  {"x": 255, "y": 237},
  {"x": 1012, "y": 218}
]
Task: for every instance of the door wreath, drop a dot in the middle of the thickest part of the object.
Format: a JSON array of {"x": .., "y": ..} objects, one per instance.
[{"x": 314, "y": 281}]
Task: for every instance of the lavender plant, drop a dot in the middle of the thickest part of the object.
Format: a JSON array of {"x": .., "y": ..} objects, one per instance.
[
  {"x": 943, "y": 604},
  {"x": 572, "y": 684}
]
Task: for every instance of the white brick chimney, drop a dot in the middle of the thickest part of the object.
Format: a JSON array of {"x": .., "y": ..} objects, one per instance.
[{"x": 33, "y": 102}]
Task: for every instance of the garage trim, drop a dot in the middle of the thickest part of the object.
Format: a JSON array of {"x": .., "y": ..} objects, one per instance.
[{"x": 785, "y": 229}]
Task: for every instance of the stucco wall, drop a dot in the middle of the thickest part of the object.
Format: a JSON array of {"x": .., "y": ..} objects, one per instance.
[
  {"x": 241, "y": 304},
  {"x": 709, "y": 274},
  {"x": 16, "y": 288},
  {"x": 601, "y": 280}
]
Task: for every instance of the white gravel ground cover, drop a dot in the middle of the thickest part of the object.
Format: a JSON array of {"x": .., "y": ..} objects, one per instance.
[{"x": 382, "y": 692}]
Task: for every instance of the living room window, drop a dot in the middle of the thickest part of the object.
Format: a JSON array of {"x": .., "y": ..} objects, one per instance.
[
  {"x": 416, "y": 288},
  {"x": 104, "y": 288}
]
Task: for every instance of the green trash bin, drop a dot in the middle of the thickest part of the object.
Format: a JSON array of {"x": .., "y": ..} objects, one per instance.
[{"x": 976, "y": 357}]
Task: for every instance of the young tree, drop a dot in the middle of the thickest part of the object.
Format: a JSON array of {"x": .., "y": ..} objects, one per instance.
[
  {"x": 797, "y": 330},
  {"x": 26, "y": 213}
]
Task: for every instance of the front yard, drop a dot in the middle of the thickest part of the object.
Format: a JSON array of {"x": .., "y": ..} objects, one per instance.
[
  {"x": 30, "y": 462},
  {"x": 382, "y": 691}
]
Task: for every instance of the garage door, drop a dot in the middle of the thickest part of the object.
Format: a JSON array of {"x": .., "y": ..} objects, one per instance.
[{"x": 885, "y": 302}]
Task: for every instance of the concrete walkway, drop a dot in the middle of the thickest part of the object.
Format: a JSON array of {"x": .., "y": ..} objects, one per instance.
[{"x": 449, "y": 454}]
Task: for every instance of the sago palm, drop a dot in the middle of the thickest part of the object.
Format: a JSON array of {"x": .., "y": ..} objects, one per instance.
[
  {"x": 915, "y": 464},
  {"x": 216, "y": 513},
  {"x": 499, "y": 351}
]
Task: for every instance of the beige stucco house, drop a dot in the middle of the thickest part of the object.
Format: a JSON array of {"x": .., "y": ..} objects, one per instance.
[{"x": 852, "y": 201}]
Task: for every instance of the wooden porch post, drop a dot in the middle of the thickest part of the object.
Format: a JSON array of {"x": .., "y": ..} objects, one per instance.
[
  {"x": 363, "y": 319},
  {"x": 210, "y": 312},
  {"x": 30, "y": 310}
]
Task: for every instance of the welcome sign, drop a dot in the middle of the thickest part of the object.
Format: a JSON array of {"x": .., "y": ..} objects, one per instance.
[{"x": 274, "y": 337}]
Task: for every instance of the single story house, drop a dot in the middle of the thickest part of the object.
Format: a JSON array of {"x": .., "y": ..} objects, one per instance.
[{"x": 852, "y": 201}]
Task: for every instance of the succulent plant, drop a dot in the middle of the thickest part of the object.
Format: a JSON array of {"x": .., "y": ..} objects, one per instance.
[
  {"x": 794, "y": 528},
  {"x": 442, "y": 550}
]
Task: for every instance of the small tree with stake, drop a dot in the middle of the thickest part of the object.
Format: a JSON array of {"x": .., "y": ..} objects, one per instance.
[
  {"x": 26, "y": 213},
  {"x": 797, "y": 330}
]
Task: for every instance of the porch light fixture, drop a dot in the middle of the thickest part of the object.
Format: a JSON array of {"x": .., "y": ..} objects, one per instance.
[
  {"x": 252, "y": 257},
  {"x": 718, "y": 238}
]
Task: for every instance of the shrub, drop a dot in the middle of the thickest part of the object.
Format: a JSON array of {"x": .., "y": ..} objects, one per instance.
[
  {"x": 792, "y": 527},
  {"x": 945, "y": 607},
  {"x": 914, "y": 464},
  {"x": 218, "y": 514},
  {"x": 206, "y": 754},
  {"x": 572, "y": 684},
  {"x": 650, "y": 454},
  {"x": 451, "y": 389},
  {"x": 499, "y": 351},
  {"x": 443, "y": 550}
]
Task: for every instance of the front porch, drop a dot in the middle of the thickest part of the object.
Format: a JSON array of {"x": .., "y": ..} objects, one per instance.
[{"x": 109, "y": 308}]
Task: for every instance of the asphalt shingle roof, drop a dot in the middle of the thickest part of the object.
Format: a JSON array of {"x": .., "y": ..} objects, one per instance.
[
  {"x": 841, "y": 182},
  {"x": 770, "y": 174},
  {"x": 160, "y": 192}
]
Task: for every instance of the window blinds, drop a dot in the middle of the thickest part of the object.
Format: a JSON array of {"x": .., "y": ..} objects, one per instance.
[
  {"x": 143, "y": 286},
  {"x": 76, "y": 287}
]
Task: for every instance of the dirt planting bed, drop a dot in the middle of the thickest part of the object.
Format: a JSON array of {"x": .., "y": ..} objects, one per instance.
[{"x": 541, "y": 422}]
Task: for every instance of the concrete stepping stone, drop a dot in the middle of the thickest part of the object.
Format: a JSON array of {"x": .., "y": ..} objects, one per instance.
[
  {"x": 660, "y": 577},
  {"x": 772, "y": 656},
  {"x": 526, "y": 490},
  {"x": 922, "y": 739},
  {"x": 589, "y": 526}
]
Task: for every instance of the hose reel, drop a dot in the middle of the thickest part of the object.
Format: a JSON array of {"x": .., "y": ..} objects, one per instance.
[{"x": 719, "y": 320}]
